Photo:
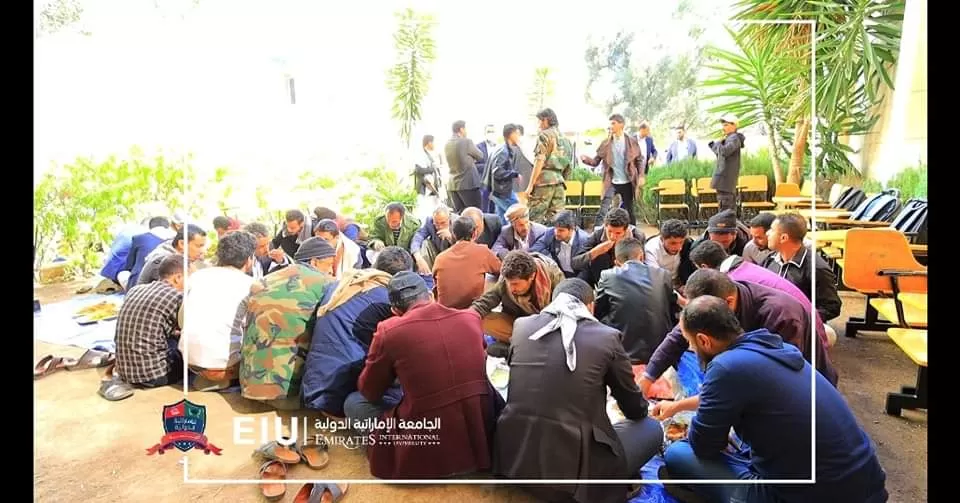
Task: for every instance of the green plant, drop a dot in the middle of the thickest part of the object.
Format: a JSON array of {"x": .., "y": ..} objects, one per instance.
[
  {"x": 408, "y": 79},
  {"x": 541, "y": 90},
  {"x": 911, "y": 182},
  {"x": 372, "y": 190},
  {"x": 583, "y": 174}
]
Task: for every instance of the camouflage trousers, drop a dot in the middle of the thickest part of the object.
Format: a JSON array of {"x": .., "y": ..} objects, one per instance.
[{"x": 545, "y": 201}]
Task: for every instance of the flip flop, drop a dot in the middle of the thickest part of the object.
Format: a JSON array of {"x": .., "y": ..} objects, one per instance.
[
  {"x": 313, "y": 454},
  {"x": 89, "y": 360},
  {"x": 273, "y": 451},
  {"x": 112, "y": 388},
  {"x": 321, "y": 492},
  {"x": 47, "y": 365},
  {"x": 273, "y": 471}
]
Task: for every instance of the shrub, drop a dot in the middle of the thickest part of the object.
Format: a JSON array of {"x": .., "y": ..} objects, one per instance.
[{"x": 911, "y": 182}]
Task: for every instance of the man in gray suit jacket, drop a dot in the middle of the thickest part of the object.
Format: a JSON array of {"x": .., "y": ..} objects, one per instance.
[
  {"x": 556, "y": 424},
  {"x": 520, "y": 233},
  {"x": 462, "y": 158}
]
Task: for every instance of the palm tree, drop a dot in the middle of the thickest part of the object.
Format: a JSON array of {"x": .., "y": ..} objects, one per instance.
[{"x": 408, "y": 79}]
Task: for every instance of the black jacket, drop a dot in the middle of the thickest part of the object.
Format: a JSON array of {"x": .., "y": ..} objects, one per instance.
[
  {"x": 491, "y": 230},
  {"x": 589, "y": 270},
  {"x": 637, "y": 300},
  {"x": 797, "y": 271},
  {"x": 501, "y": 170},
  {"x": 743, "y": 237}
]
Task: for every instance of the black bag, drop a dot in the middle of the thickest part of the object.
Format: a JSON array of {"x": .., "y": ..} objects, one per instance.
[
  {"x": 912, "y": 220},
  {"x": 850, "y": 199},
  {"x": 879, "y": 208}
]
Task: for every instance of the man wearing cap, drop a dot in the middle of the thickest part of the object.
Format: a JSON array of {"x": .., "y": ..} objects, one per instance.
[
  {"x": 546, "y": 192},
  {"x": 725, "y": 229},
  {"x": 727, "y": 172},
  {"x": 520, "y": 233},
  {"x": 436, "y": 353},
  {"x": 277, "y": 332}
]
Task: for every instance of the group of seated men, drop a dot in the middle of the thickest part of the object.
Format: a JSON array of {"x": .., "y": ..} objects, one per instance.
[{"x": 571, "y": 311}]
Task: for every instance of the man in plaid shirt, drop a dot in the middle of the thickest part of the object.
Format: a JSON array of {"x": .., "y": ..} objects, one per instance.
[{"x": 147, "y": 329}]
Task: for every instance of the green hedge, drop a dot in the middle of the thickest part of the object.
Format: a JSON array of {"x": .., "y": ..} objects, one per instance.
[{"x": 911, "y": 182}]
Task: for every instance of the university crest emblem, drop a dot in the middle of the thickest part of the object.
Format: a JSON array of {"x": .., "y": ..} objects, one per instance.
[{"x": 183, "y": 425}]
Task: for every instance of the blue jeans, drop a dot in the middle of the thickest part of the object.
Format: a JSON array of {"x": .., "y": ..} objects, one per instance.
[
  {"x": 682, "y": 463},
  {"x": 357, "y": 407},
  {"x": 502, "y": 203}
]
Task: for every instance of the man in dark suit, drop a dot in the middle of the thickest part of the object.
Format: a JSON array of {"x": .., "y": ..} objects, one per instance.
[
  {"x": 432, "y": 238},
  {"x": 520, "y": 233},
  {"x": 462, "y": 158},
  {"x": 636, "y": 299},
  {"x": 555, "y": 424},
  {"x": 623, "y": 171},
  {"x": 487, "y": 223},
  {"x": 598, "y": 254},
  {"x": 562, "y": 242}
]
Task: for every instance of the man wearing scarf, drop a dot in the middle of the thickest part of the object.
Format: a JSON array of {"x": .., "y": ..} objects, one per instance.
[
  {"x": 561, "y": 362},
  {"x": 524, "y": 288},
  {"x": 277, "y": 331},
  {"x": 348, "y": 253}
]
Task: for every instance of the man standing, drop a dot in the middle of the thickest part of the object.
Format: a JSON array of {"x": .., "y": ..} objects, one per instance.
[
  {"x": 624, "y": 173},
  {"x": 460, "y": 271},
  {"x": 277, "y": 328},
  {"x": 637, "y": 300},
  {"x": 727, "y": 172},
  {"x": 761, "y": 387},
  {"x": 553, "y": 163},
  {"x": 555, "y": 424},
  {"x": 562, "y": 242},
  {"x": 646, "y": 146},
  {"x": 486, "y": 147},
  {"x": 681, "y": 148},
  {"x": 394, "y": 228},
  {"x": 790, "y": 260},
  {"x": 462, "y": 156},
  {"x": 670, "y": 251},
  {"x": 520, "y": 233},
  {"x": 436, "y": 353},
  {"x": 757, "y": 251},
  {"x": 432, "y": 238},
  {"x": 599, "y": 254},
  {"x": 501, "y": 173},
  {"x": 427, "y": 179}
]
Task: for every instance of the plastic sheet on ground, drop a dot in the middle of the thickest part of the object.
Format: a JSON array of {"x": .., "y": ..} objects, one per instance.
[{"x": 55, "y": 324}]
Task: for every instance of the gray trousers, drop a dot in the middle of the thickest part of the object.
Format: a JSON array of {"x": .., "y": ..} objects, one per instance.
[{"x": 726, "y": 200}]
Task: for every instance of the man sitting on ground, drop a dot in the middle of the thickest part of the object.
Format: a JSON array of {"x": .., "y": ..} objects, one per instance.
[
  {"x": 710, "y": 255},
  {"x": 296, "y": 230},
  {"x": 119, "y": 251},
  {"x": 724, "y": 228},
  {"x": 223, "y": 225},
  {"x": 790, "y": 260},
  {"x": 670, "y": 251},
  {"x": 757, "y": 251},
  {"x": 147, "y": 330},
  {"x": 347, "y": 252},
  {"x": 194, "y": 239},
  {"x": 756, "y": 307},
  {"x": 265, "y": 259},
  {"x": 277, "y": 327},
  {"x": 561, "y": 362},
  {"x": 637, "y": 300},
  {"x": 215, "y": 312},
  {"x": 562, "y": 242},
  {"x": 488, "y": 224},
  {"x": 346, "y": 225},
  {"x": 460, "y": 271},
  {"x": 760, "y": 387},
  {"x": 432, "y": 238},
  {"x": 520, "y": 233},
  {"x": 140, "y": 248},
  {"x": 524, "y": 288},
  {"x": 436, "y": 353},
  {"x": 599, "y": 254},
  {"x": 346, "y": 322},
  {"x": 394, "y": 228}
]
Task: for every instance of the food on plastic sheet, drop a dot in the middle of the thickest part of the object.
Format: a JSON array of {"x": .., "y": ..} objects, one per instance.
[
  {"x": 676, "y": 427},
  {"x": 500, "y": 376},
  {"x": 97, "y": 312},
  {"x": 676, "y": 431},
  {"x": 661, "y": 388}
]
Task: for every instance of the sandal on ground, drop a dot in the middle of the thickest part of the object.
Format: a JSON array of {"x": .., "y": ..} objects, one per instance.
[
  {"x": 321, "y": 492},
  {"x": 273, "y": 451},
  {"x": 47, "y": 365},
  {"x": 91, "y": 359},
  {"x": 112, "y": 388},
  {"x": 273, "y": 471},
  {"x": 315, "y": 455}
]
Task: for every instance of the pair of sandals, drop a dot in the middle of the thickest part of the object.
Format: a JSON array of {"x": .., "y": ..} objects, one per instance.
[
  {"x": 92, "y": 358},
  {"x": 315, "y": 455}
]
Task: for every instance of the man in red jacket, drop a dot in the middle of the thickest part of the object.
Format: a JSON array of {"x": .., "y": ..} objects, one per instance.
[{"x": 443, "y": 425}]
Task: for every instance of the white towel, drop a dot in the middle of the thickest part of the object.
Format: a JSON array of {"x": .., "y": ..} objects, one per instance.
[{"x": 567, "y": 311}]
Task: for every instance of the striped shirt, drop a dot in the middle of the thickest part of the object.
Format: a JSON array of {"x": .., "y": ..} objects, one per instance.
[{"x": 147, "y": 318}]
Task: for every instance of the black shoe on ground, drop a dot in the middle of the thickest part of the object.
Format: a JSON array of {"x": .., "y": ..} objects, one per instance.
[{"x": 680, "y": 492}]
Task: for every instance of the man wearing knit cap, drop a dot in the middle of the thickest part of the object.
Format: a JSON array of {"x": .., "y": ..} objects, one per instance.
[
  {"x": 276, "y": 336},
  {"x": 437, "y": 355}
]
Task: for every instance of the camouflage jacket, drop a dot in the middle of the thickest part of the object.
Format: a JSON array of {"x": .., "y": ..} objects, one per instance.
[
  {"x": 277, "y": 332},
  {"x": 556, "y": 152}
]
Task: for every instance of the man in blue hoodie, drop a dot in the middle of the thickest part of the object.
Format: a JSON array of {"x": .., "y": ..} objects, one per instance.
[{"x": 760, "y": 387}]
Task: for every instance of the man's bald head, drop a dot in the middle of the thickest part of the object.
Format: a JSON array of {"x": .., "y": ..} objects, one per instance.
[
  {"x": 711, "y": 316},
  {"x": 477, "y": 216}
]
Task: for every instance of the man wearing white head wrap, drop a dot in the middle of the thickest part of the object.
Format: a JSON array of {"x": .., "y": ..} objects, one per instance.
[{"x": 562, "y": 361}]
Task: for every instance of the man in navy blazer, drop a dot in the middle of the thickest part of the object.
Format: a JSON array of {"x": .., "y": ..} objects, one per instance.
[
  {"x": 141, "y": 245},
  {"x": 520, "y": 233},
  {"x": 563, "y": 242},
  {"x": 432, "y": 238}
]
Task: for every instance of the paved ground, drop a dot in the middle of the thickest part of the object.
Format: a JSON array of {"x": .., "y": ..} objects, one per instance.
[{"x": 88, "y": 449}]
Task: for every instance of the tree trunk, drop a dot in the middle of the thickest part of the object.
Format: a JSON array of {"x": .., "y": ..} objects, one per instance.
[
  {"x": 774, "y": 153},
  {"x": 795, "y": 174}
]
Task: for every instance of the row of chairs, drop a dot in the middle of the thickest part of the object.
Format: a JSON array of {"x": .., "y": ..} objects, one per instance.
[{"x": 693, "y": 203}]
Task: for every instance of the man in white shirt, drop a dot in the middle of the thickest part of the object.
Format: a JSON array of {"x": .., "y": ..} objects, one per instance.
[
  {"x": 663, "y": 250},
  {"x": 213, "y": 312}
]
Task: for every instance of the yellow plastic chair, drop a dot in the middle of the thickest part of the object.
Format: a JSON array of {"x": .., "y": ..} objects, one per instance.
[{"x": 674, "y": 189}]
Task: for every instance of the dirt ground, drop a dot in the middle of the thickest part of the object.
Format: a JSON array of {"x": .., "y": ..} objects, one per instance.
[{"x": 88, "y": 449}]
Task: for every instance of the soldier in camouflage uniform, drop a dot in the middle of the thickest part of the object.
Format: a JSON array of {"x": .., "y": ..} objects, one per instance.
[
  {"x": 553, "y": 163},
  {"x": 278, "y": 327}
]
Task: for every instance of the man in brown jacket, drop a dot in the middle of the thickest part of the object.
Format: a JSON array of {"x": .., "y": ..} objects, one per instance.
[
  {"x": 526, "y": 283},
  {"x": 555, "y": 424},
  {"x": 623, "y": 168}
]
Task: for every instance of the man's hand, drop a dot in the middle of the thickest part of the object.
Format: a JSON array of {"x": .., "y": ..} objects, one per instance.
[
  {"x": 602, "y": 248},
  {"x": 376, "y": 245},
  {"x": 645, "y": 384},
  {"x": 664, "y": 409},
  {"x": 276, "y": 255},
  {"x": 681, "y": 300},
  {"x": 445, "y": 234}
]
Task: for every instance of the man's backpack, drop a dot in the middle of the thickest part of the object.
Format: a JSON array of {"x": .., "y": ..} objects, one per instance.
[
  {"x": 879, "y": 208},
  {"x": 912, "y": 220},
  {"x": 850, "y": 199}
]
